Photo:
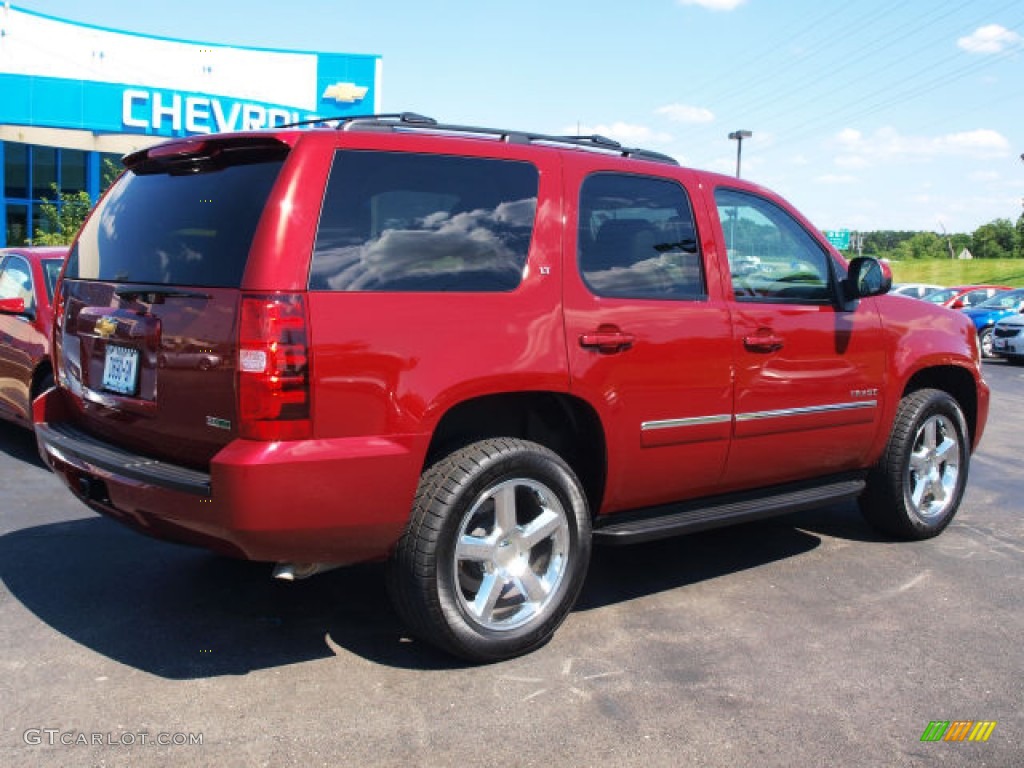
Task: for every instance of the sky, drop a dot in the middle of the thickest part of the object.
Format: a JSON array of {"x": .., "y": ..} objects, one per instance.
[{"x": 865, "y": 114}]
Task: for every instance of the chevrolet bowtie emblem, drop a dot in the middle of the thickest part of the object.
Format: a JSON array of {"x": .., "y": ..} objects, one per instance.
[
  {"x": 344, "y": 93},
  {"x": 105, "y": 327}
]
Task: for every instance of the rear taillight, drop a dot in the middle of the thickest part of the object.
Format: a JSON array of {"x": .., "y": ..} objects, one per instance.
[{"x": 273, "y": 368}]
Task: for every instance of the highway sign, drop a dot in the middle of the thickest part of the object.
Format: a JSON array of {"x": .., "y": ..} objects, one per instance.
[{"x": 840, "y": 238}]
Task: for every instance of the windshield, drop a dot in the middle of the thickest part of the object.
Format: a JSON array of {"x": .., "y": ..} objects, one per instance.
[
  {"x": 941, "y": 297},
  {"x": 1005, "y": 300}
]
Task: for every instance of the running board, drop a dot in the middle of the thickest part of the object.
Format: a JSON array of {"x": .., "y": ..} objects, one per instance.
[{"x": 690, "y": 517}]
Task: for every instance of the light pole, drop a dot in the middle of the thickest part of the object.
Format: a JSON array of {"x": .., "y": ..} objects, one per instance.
[{"x": 739, "y": 136}]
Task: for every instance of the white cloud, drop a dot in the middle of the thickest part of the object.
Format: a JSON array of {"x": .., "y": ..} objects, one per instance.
[
  {"x": 715, "y": 5},
  {"x": 626, "y": 133},
  {"x": 725, "y": 165},
  {"x": 684, "y": 113},
  {"x": 991, "y": 38},
  {"x": 981, "y": 140},
  {"x": 834, "y": 178},
  {"x": 851, "y": 161},
  {"x": 888, "y": 144}
]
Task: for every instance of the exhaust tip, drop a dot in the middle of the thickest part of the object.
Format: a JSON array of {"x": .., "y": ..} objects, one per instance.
[{"x": 295, "y": 571}]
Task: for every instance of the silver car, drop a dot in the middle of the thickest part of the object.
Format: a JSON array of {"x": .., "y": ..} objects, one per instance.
[{"x": 1008, "y": 338}]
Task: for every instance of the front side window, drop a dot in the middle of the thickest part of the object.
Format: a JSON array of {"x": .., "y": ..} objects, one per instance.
[
  {"x": 399, "y": 221},
  {"x": 771, "y": 256},
  {"x": 636, "y": 239}
]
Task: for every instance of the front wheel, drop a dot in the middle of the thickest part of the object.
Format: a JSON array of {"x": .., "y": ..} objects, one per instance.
[
  {"x": 915, "y": 489},
  {"x": 495, "y": 552},
  {"x": 985, "y": 342}
]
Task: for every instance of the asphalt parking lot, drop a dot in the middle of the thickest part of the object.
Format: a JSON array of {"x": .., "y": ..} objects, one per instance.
[{"x": 806, "y": 640}]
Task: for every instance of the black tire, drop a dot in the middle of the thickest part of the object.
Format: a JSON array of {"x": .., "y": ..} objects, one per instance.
[
  {"x": 496, "y": 550},
  {"x": 985, "y": 343},
  {"x": 41, "y": 384},
  {"x": 915, "y": 489}
]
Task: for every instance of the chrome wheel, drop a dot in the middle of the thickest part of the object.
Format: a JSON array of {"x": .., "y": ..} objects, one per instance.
[
  {"x": 934, "y": 467},
  {"x": 914, "y": 490},
  {"x": 495, "y": 551},
  {"x": 511, "y": 554},
  {"x": 985, "y": 342}
]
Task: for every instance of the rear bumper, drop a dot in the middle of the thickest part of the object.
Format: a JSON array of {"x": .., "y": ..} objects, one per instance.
[{"x": 339, "y": 500}]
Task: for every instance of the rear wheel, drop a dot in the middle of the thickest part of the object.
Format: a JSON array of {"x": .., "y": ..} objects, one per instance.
[
  {"x": 915, "y": 489},
  {"x": 496, "y": 550}
]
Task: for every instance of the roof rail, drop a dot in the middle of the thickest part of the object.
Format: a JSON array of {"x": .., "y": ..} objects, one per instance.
[
  {"x": 404, "y": 117},
  {"x": 411, "y": 121}
]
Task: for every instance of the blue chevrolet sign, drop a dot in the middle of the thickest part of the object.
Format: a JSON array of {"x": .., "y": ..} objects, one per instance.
[{"x": 59, "y": 74}]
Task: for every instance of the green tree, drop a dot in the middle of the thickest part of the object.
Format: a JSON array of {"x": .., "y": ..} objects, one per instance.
[
  {"x": 960, "y": 241},
  {"x": 1020, "y": 237},
  {"x": 995, "y": 240},
  {"x": 923, "y": 245},
  {"x": 62, "y": 217},
  {"x": 109, "y": 173}
]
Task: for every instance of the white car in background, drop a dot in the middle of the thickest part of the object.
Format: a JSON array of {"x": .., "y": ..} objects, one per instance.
[{"x": 914, "y": 290}]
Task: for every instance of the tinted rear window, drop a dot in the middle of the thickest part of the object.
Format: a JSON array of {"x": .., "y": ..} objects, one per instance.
[
  {"x": 176, "y": 228},
  {"x": 395, "y": 221}
]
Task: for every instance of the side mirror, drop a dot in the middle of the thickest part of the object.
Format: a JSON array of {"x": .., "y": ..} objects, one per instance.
[
  {"x": 958, "y": 304},
  {"x": 12, "y": 306},
  {"x": 866, "y": 277}
]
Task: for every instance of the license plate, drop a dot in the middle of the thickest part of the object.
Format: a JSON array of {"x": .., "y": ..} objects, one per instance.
[
  {"x": 121, "y": 370},
  {"x": 999, "y": 344}
]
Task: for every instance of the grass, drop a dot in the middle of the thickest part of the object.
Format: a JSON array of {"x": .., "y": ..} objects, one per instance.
[{"x": 956, "y": 272}]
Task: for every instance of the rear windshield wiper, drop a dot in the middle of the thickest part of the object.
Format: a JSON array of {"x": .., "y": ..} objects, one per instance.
[{"x": 157, "y": 294}]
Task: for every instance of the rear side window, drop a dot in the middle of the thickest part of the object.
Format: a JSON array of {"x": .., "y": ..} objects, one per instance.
[
  {"x": 395, "y": 221},
  {"x": 176, "y": 228},
  {"x": 636, "y": 239},
  {"x": 51, "y": 270}
]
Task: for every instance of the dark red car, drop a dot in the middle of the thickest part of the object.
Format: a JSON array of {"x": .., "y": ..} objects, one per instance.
[
  {"x": 470, "y": 352},
  {"x": 27, "y": 280}
]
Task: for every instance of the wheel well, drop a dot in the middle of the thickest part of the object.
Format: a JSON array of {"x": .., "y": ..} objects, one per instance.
[
  {"x": 42, "y": 371},
  {"x": 958, "y": 382},
  {"x": 564, "y": 424}
]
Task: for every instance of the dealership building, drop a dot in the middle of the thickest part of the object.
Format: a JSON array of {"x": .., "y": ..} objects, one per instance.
[{"x": 73, "y": 96}]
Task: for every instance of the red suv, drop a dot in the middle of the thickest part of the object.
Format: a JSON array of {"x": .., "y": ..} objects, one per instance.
[{"x": 470, "y": 352}]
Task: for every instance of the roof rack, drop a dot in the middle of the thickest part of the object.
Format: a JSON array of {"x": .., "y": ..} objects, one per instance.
[
  {"x": 411, "y": 121},
  {"x": 384, "y": 118}
]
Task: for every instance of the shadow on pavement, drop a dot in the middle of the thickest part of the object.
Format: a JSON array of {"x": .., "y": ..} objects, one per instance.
[
  {"x": 19, "y": 443},
  {"x": 181, "y": 613}
]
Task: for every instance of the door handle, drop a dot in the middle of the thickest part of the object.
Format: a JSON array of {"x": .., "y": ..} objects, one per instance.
[
  {"x": 607, "y": 341},
  {"x": 767, "y": 342}
]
